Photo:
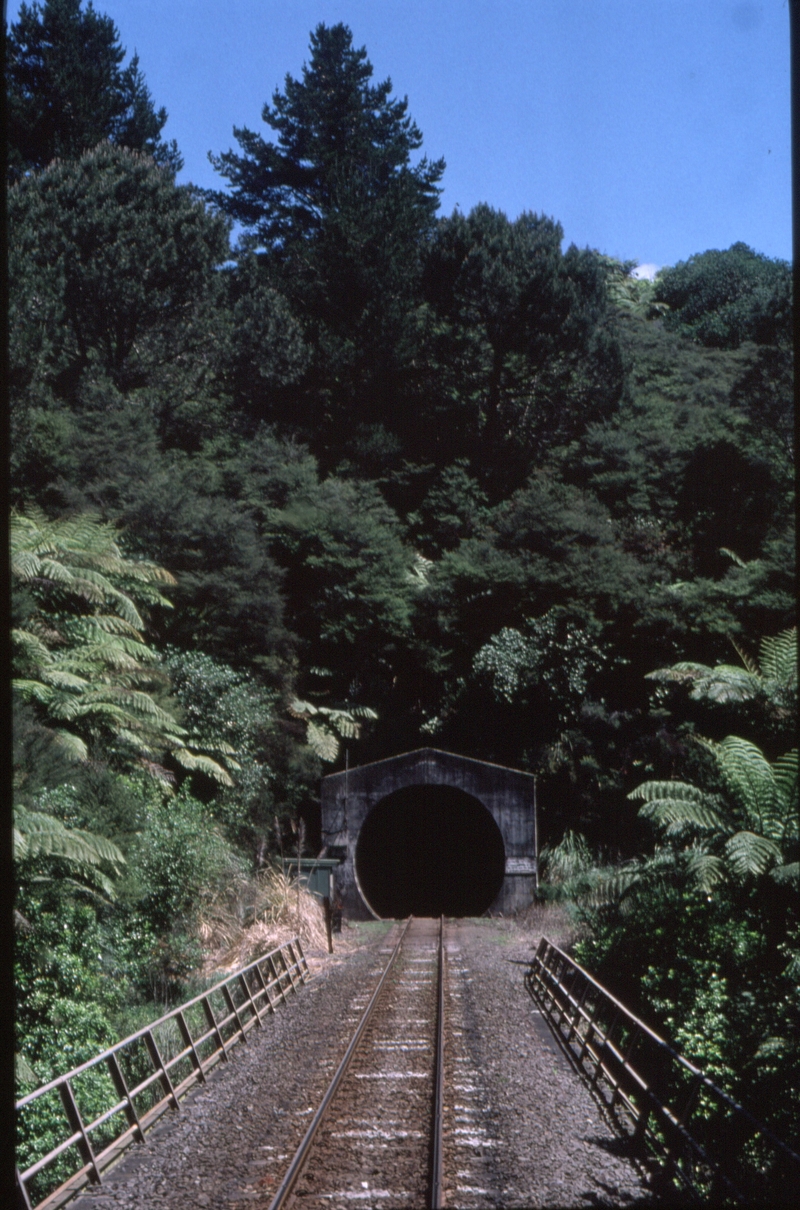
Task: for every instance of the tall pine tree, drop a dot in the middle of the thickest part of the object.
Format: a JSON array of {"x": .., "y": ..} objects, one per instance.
[
  {"x": 337, "y": 135},
  {"x": 340, "y": 216},
  {"x": 67, "y": 90}
]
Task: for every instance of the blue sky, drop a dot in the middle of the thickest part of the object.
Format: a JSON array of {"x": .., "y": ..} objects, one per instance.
[{"x": 650, "y": 129}]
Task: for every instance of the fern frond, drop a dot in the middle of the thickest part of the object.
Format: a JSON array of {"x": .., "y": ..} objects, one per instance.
[
  {"x": 778, "y": 656},
  {"x": 784, "y": 771},
  {"x": 23, "y": 1072},
  {"x": 31, "y": 646},
  {"x": 39, "y": 834},
  {"x": 203, "y": 764},
  {"x": 346, "y": 726},
  {"x": 322, "y": 741},
  {"x": 727, "y": 684},
  {"x": 112, "y": 623},
  {"x": 50, "y": 569},
  {"x": 140, "y": 744},
  {"x": 419, "y": 572},
  {"x": 789, "y": 873},
  {"x": 732, "y": 555},
  {"x": 748, "y": 776},
  {"x": 678, "y": 804},
  {"x": 134, "y": 703},
  {"x": 33, "y": 690},
  {"x": 615, "y": 884},
  {"x": 24, "y": 564},
  {"x": 60, "y": 678},
  {"x": 747, "y": 661},
  {"x": 678, "y": 790},
  {"x": 110, "y": 655},
  {"x": 71, "y": 745},
  {"x": 685, "y": 671},
  {"x": 706, "y": 869},
  {"x": 751, "y": 854}
]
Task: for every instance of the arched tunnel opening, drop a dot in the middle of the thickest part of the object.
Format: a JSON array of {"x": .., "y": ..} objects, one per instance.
[{"x": 429, "y": 851}]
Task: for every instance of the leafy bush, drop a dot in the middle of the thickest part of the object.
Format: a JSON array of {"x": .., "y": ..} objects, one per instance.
[
  {"x": 723, "y": 298},
  {"x": 181, "y": 859}
]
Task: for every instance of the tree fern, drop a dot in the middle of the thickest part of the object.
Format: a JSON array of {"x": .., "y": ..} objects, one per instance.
[
  {"x": 38, "y": 835},
  {"x": 81, "y": 655},
  {"x": 746, "y": 833},
  {"x": 773, "y": 678},
  {"x": 326, "y": 725}
]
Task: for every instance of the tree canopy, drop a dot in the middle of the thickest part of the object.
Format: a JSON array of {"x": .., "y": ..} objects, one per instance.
[
  {"x": 723, "y": 298},
  {"x": 67, "y": 90},
  {"x": 339, "y": 138}
]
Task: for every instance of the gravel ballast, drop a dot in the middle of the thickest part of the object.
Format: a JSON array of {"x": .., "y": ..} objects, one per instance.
[{"x": 522, "y": 1128}]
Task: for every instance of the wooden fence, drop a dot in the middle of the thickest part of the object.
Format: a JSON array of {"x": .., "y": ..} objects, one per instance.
[
  {"x": 112, "y": 1100},
  {"x": 706, "y": 1144}
]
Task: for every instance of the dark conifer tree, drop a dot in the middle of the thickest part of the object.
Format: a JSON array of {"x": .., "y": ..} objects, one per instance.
[
  {"x": 335, "y": 132},
  {"x": 67, "y": 90},
  {"x": 340, "y": 216}
]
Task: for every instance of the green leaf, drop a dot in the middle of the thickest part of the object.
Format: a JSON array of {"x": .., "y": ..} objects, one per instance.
[
  {"x": 751, "y": 854},
  {"x": 322, "y": 741},
  {"x": 203, "y": 764}
]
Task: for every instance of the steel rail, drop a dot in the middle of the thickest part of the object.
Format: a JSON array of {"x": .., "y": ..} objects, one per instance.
[
  {"x": 293, "y": 1171},
  {"x": 438, "y": 1109}
]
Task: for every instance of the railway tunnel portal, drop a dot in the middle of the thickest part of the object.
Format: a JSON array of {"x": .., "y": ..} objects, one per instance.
[{"x": 428, "y": 833}]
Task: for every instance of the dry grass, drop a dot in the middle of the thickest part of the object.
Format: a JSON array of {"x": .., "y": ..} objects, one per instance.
[
  {"x": 264, "y": 912},
  {"x": 551, "y": 920}
]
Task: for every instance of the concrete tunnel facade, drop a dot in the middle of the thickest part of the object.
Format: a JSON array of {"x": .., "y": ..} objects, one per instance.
[{"x": 429, "y": 833}]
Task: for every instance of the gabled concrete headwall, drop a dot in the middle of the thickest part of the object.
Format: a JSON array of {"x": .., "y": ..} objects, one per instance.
[{"x": 507, "y": 794}]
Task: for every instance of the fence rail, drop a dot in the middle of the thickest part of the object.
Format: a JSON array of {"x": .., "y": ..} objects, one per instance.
[
  {"x": 136, "y": 1081},
  {"x": 727, "y": 1154}
]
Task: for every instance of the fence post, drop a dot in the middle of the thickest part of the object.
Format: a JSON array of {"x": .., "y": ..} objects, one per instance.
[
  {"x": 263, "y": 983},
  {"x": 189, "y": 1040},
  {"x": 249, "y": 994},
  {"x": 76, "y": 1122},
  {"x": 276, "y": 978},
  {"x": 303, "y": 965},
  {"x": 215, "y": 1028},
  {"x": 615, "y": 1085},
  {"x": 286, "y": 967},
  {"x": 158, "y": 1064},
  {"x": 566, "y": 995},
  {"x": 24, "y": 1200},
  {"x": 122, "y": 1091},
  {"x": 576, "y": 1016},
  {"x": 326, "y": 905},
  {"x": 232, "y": 1008},
  {"x": 603, "y": 1045}
]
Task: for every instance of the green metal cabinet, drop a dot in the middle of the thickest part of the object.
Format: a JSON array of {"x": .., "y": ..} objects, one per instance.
[{"x": 316, "y": 874}]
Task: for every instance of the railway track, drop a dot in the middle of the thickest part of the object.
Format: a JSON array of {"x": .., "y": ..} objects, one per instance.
[{"x": 376, "y": 1138}]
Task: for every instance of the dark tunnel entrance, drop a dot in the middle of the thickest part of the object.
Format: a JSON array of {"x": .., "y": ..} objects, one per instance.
[{"x": 429, "y": 851}]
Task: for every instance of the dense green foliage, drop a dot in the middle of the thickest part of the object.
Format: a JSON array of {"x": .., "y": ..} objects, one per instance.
[
  {"x": 411, "y": 479},
  {"x": 699, "y": 932},
  {"x": 723, "y": 298},
  {"x": 67, "y": 89}
]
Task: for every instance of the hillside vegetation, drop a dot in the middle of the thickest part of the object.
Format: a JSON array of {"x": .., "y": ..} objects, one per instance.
[{"x": 375, "y": 478}]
